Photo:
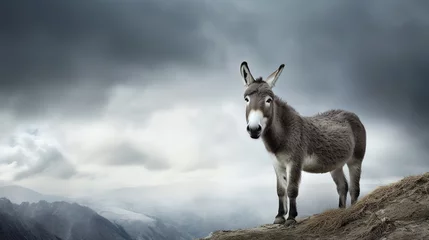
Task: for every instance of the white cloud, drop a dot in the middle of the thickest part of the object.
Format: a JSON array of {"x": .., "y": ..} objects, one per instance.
[{"x": 26, "y": 153}]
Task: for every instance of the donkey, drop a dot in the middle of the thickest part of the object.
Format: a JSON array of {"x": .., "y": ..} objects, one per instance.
[{"x": 321, "y": 143}]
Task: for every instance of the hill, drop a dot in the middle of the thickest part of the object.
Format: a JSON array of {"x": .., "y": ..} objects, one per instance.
[{"x": 396, "y": 211}]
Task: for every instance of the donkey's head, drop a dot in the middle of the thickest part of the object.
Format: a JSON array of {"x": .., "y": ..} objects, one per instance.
[{"x": 259, "y": 100}]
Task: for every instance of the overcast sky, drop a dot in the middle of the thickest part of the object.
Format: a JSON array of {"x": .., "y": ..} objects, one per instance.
[{"x": 99, "y": 95}]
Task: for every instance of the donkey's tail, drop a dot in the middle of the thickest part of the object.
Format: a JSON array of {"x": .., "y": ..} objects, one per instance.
[{"x": 359, "y": 133}]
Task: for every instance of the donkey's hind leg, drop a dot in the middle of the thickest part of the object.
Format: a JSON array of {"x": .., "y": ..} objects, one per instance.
[
  {"x": 355, "y": 166},
  {"x": 342, "y": 186}
]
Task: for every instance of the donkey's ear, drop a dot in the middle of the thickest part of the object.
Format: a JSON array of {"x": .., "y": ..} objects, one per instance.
[
  {"x": 271, "y": 80},
  {"x": 245, "y": 73}
]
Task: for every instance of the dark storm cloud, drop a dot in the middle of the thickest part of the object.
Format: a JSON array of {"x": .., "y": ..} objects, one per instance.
[
  {"x": 370, "y": 57},
  {"x": 379, "y": 49},
  {"x": 70, "y": 52},
  {"x": 67, "y": 53},
  {"x": 382, "y": 52}
]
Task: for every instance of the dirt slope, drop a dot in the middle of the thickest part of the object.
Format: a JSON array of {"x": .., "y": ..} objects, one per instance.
[{"x": 396, "y": 211}]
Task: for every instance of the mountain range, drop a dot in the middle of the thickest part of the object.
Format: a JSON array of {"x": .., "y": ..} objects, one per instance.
[
  {"x": 27, "y": 214},
  {"x": 58, "y": 220}
]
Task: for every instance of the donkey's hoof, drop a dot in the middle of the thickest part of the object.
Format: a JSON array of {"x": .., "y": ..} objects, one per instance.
[
  {"x": 279, "y": 220},
  {"x": 290, "y": 222}
]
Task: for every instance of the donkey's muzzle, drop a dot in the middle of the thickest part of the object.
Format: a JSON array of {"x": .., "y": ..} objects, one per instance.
[{"x": 254, "y": 132}]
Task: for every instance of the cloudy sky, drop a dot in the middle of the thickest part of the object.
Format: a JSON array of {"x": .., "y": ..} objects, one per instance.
[{"x": 100, "y": 95}]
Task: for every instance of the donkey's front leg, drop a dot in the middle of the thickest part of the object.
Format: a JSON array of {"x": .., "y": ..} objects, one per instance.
[
  {"x": 293, "y": 171},
  {"x": 281, "y": 193}
]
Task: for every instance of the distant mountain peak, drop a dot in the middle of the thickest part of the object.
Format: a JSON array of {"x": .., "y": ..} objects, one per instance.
[{"x": 18, "y": 194}]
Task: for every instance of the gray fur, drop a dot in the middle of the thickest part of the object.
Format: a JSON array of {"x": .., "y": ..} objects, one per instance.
[{"x": 333, "y": 138}]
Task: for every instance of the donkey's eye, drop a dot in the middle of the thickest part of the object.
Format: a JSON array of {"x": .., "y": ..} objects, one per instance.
[
  {"x": 246, "y": 99},
  {"x": 269, "y": 100}
]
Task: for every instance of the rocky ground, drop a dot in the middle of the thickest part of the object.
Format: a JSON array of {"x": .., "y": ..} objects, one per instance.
[{"x": 393, "y": 212}]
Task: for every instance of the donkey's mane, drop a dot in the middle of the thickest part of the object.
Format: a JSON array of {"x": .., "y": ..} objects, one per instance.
[{"x": 284, "y": 105}]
